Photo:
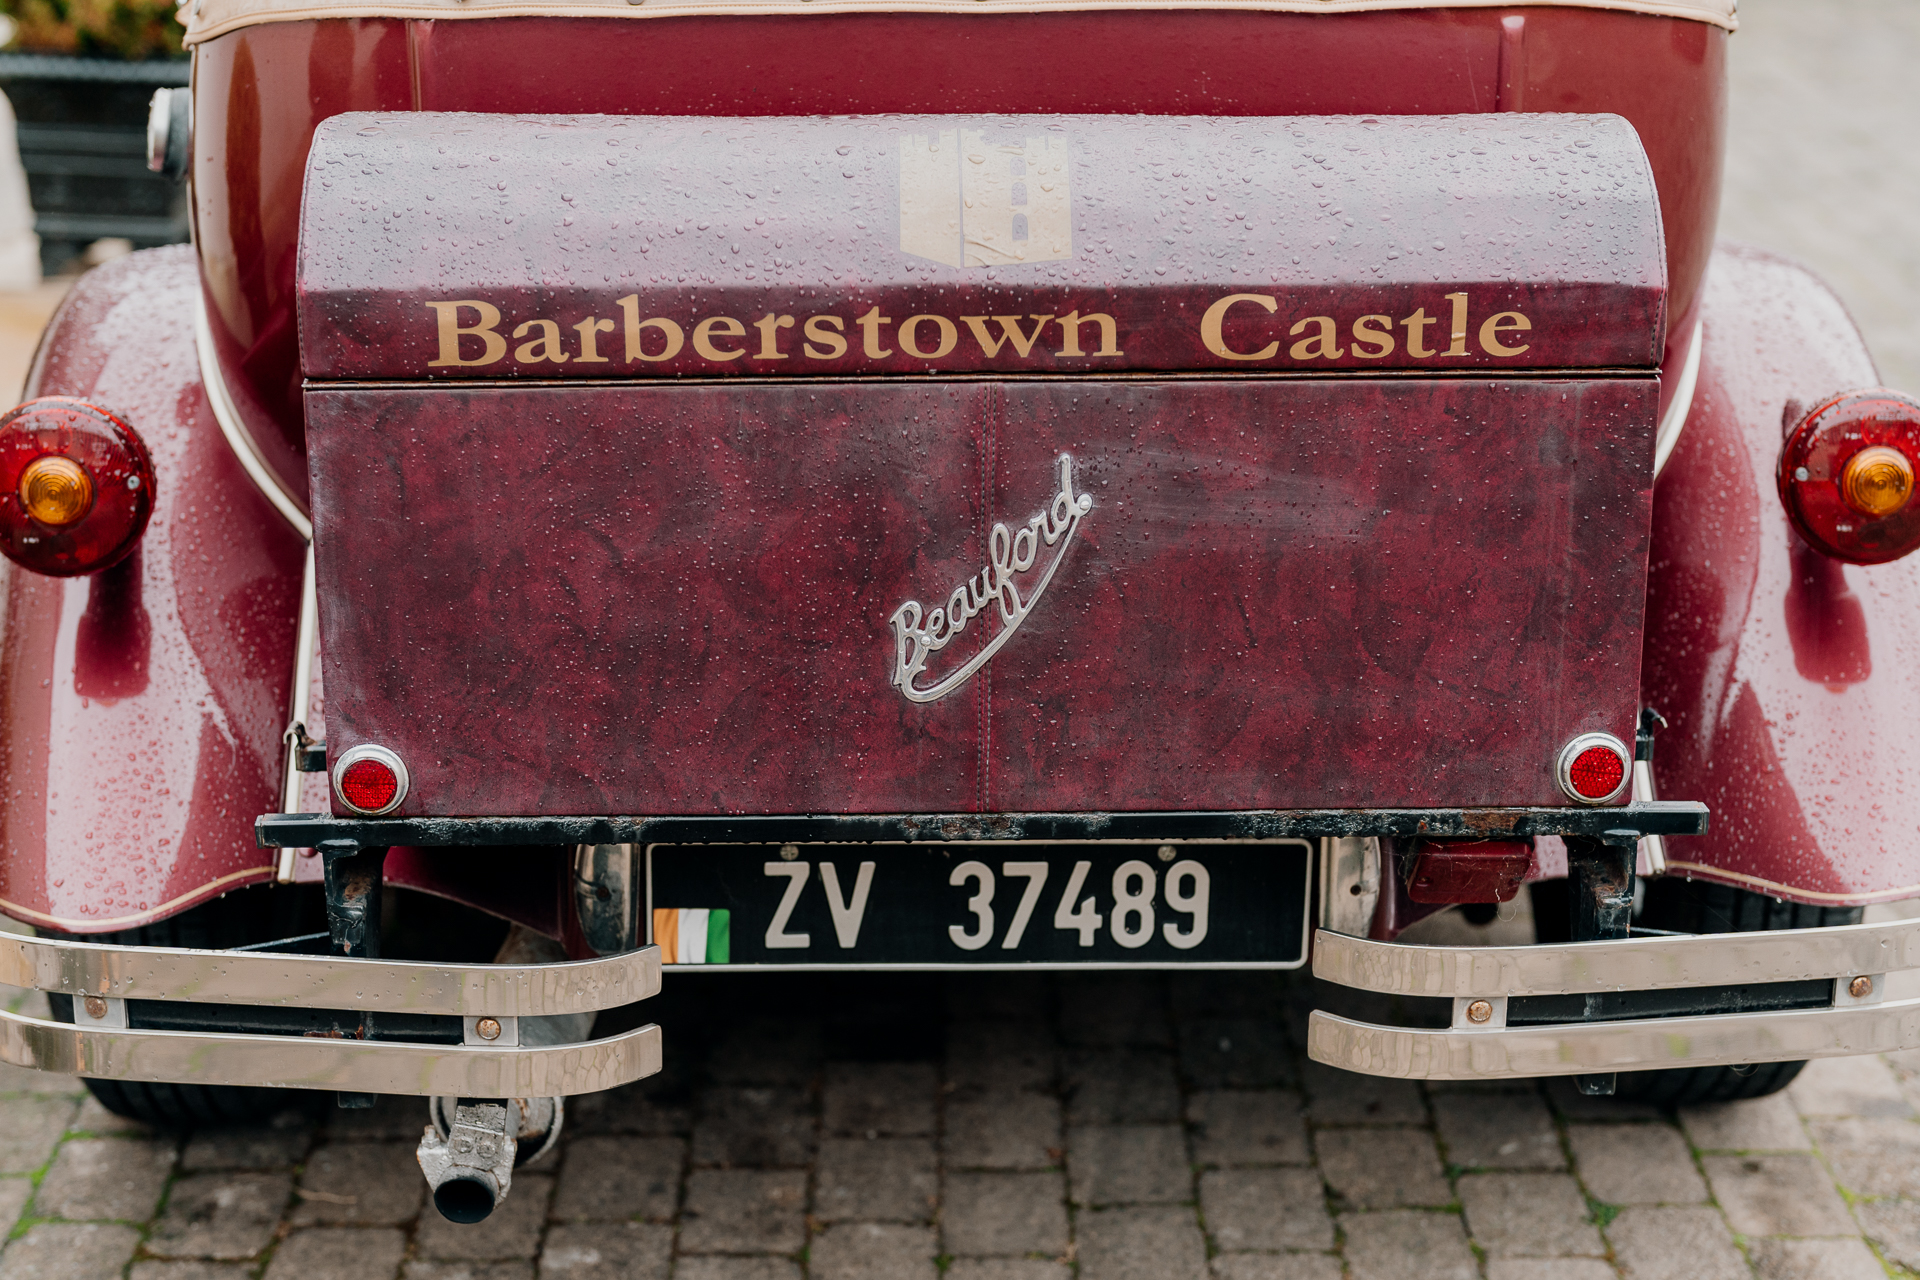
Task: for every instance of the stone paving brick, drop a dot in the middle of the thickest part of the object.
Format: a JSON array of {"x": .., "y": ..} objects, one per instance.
[
  {"x": 767, "y": 1051},
  {"x": 1347, "y": 1097},
  {"x": 1001, "y": 1055},
  {"x": 1006, "y": 1213},
  {"x": 1277, "y": 1266},
  {"x": 376, "y": 1183},
  {"x": 14, "y": 1194},
  {"x": 1548, "y": 1269},
  {"x": 1002, "y": 1131},
  {"x": 1635, "y": 1164},
  {"x": 1121, "y": 1087},
  {"x": 1246, "y": 1053},
  {"x": 94, "y": 1119},
  {"x": 274, "y": 1145},
  {"x": 1129, "y": 1164},
  {"x": 1237, "y": 1126},
  {"x": 27, "y": 1080},
  {"x": 1568, "y": 1101},
  {"x": 873, "y": 1251},
  {"x": 338, "y": 1253},
  {"x": 1005, "y": 1269},
  {"x": 623, "y": 1251},
  {"x": 1110, "y": 1010},
  {"x": 1872, "y": 1157},
  {"x": 1762, "y": 1124},
  {"x": 1894, "y": 1225},
  {"x": 736, "y": 1269},
  {"x": 221, "y": 1215},
  {"x": 1530, "y": 1215},
  {"x": 1382, "y": 1168},
  {"x": 435, "y": 1269},
  {"x": 1497, "y": 1131},
  {"x": 754, "y": 1126},
  {"x": 893, "y": 1098},
  {"x": 1785, "y": 1195},
  {"x": 1402, "y": 1244},
  {"x": 1266, "y": 1209},
  {"x": 1150, "y": 1242},
  {"x": 876, "y": 1180},
  {"x": 1858, "y": 1086},
  {"x": 389, "y": 1119},
  {"x": 70, "y": 1251},
  {"x": 190, "y": 1269},
  {"x": 607, "y": 1178},
  {"x": 29, "y": 1127},
  {"x": 652, "y": 1106},
  {"x": 1674, "y": 1244},
  {"x": 744, "y": 1211},
  {"x": 1848, "y": 1259},
  {"x": 511, "y": 1231},
  {"x": 105, "y": 1178},
  {"x": 1006, "y": 997}
]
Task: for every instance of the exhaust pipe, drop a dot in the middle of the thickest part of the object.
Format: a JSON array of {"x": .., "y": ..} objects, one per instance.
[{"x": 470, "y": 1150}]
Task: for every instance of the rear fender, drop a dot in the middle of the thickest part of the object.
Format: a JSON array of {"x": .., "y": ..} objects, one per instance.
[
  {"x": 141, "y": 709},
  {"x": 1791, "y": 682}
]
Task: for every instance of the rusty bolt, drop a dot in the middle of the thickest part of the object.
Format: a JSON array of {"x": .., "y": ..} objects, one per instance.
[
  {"x": 1479, "y": 1011},
  {"x": 1860, "y": 988},
  {"x": 487, "y": 1028},
  {"x": 96, "y": 1007}
]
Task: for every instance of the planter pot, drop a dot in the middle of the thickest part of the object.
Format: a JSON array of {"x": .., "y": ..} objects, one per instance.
[{"x": 83, "y": 141}]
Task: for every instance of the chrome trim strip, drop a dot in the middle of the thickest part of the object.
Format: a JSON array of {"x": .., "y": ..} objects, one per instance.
[
  {"x": 302, "y": 1062},
  {"x": 301, "y": 705},
  {"x": 1642, "y": 1045},
  {"x": 1626, "y": 964},
  {"x": 328, "y": 982},
  {"x": 1675, "y": 419},
  {"x": 239, "y": 439}
]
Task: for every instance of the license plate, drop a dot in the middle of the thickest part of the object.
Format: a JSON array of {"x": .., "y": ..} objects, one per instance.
[{"x": 1213, "y": 904}]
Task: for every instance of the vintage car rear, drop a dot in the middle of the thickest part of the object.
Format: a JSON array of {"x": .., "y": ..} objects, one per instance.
[{"x": 1009, "y": 485}]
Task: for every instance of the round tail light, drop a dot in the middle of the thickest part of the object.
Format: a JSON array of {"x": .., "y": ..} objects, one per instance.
[
  {"x": 1847, "y": 476},
  {"x": 76, "y": 487},
  {"x": 370, "y": 780},
  {"x": 1593, "y": 768}
]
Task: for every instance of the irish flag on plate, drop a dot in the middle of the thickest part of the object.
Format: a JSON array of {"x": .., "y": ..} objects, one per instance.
[{"x": 693, "y": 935}]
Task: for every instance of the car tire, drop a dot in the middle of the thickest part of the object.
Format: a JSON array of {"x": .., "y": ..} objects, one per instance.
[
  {"x": 237, "y": 920},
  {"x": 1694, "y": 906}
]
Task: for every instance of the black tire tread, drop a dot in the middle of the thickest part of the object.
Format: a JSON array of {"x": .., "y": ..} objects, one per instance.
[{"x": 1694, "y": 906}]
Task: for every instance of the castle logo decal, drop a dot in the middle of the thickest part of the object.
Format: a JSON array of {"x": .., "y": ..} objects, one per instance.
[{"x": 970, "y": 203}]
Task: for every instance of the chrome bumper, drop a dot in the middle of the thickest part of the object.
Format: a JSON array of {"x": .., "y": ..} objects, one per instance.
[
  {"x": 102, "y": 978},
  {"x": 1479, "y": 1045}
]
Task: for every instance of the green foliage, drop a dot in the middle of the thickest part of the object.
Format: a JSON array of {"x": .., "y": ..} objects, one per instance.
[{"x": 125, "y": 29}]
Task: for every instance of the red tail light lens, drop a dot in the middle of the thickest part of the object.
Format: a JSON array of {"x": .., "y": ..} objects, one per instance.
[
  {"x": 370, "y": 780},
  {"x": 76, "y": 487},
  {"x": 1593, "y": 768},
  {"x": 1847, "y": 477}
]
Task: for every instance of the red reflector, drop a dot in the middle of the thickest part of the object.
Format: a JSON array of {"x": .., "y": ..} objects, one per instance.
[
  {"x": 370, "y": 780},
  {"x": 1596, "y": 773},
  {"x": 76, "y": 487}
]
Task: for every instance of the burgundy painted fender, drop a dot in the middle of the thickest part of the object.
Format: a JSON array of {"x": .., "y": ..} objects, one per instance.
[
  {"x": 1791, "y": 682},
  {"x": 141, "y": 708}
]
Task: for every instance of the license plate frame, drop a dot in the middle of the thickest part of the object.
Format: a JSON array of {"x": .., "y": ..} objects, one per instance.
[{"x": 1259, "y": 918}]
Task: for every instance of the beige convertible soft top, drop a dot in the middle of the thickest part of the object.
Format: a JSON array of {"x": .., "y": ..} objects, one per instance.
[{"x": 209, "y": 18}]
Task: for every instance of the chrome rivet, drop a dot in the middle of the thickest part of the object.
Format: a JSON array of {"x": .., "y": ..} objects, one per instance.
[
  {"x": 96, "y": 1008},
  {"x": 487, "y": 1028},
  {"x": 1860, "y": 988},
  {"x": 1479, "y": 1011},
  {"x": 789, "y": 851},
  {"x": 1166, "y": 853}
]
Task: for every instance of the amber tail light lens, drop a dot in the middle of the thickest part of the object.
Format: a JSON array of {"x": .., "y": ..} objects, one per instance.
[
  {"x": 76, "y": 487},
  {"x": 1847, "y": 476}
]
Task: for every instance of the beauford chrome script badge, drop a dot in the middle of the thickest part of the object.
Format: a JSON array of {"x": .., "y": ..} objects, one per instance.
[{"x": 1008, "y": 554}]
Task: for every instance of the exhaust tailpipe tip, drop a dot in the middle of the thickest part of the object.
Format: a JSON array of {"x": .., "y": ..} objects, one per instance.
[{"x": 467, "y": 1199}]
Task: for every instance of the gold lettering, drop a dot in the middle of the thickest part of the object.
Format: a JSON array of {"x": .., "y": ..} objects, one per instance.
[
  {"x": 1010, "y": 331},
  {"x": 1496, "y": 325},
  {"x": 493, "y": 346},
  {"x": 833, "y": 346},
  {"x": 1378, "y": 338},
  {"x": 1459, "y": 333},
  {"x": 1070, "y": 327},
  {"x": 545, "y": 348},
  {"x": 1416, "y": 327},
  {"x": 770, "y": 326},
  {"x": 870, "y": 334},
  {"x": 1211, "y": 323},
  {"x": 1323, "y": 345},
  {"x": 718, "y": 326},
  {"x": 948, "y": 337},
  {"x": 589, "y": 331},
  {"x": 676, "y": 338}
]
